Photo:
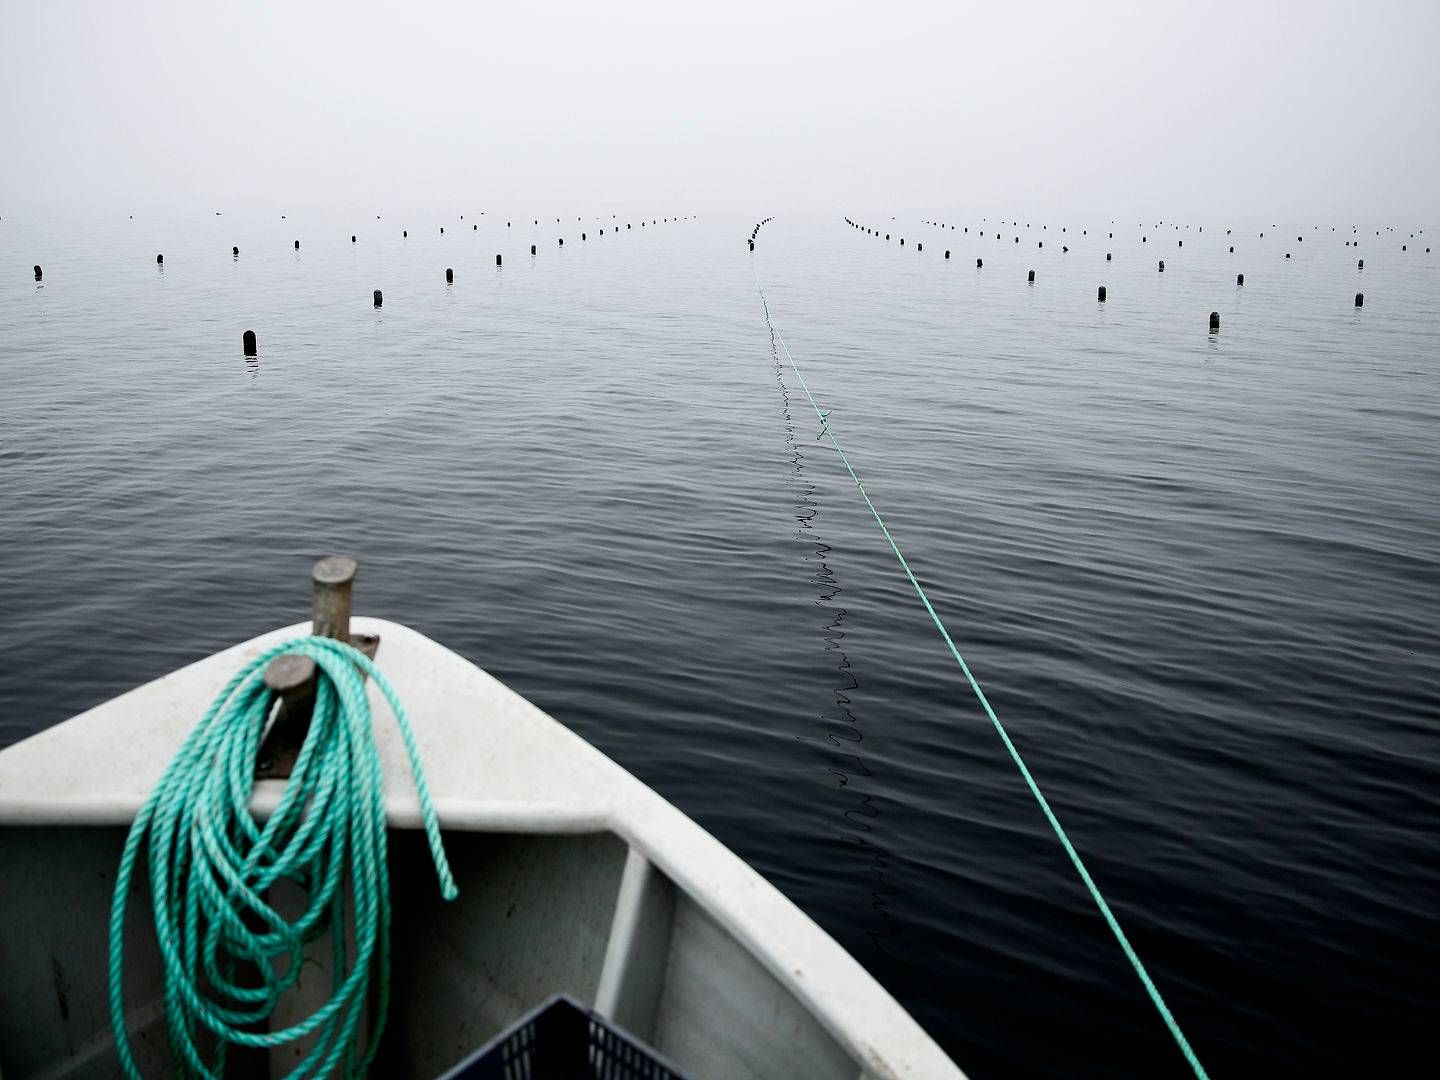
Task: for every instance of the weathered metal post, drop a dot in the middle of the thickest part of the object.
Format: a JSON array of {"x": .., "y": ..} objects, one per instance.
[
  {"x": 292, "y": 678},
  {"x": 334, "y": 580}
]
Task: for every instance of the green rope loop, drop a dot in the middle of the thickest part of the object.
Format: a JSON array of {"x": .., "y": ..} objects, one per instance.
[
  {"x": 227, "y": 954},
  {"x": 1130, "y": 954}
]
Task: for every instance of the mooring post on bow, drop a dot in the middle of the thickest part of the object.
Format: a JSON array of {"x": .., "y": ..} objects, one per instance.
[{"x": 292, "y": 678}]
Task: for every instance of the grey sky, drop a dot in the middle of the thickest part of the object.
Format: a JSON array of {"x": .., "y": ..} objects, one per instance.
[{"x": 1319, "y": 109}]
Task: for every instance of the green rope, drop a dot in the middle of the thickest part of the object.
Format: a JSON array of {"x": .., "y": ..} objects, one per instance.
[
  {"x": 1111, "y": 921},
  {"x": 228, "y": 955}
]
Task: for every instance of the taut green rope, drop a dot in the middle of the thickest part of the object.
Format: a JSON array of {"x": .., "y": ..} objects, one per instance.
[
  {"x": 228, "y": 955},
  {"x": 1111, "y": 921}
]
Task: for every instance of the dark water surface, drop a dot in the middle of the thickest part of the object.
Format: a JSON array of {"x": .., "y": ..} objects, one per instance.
[{"x": 1198, "y": 575}]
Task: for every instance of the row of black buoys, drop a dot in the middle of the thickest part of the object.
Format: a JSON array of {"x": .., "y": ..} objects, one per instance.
[
  {"x": 449, "y": 276},
  {"x": 247, "y": 342}
]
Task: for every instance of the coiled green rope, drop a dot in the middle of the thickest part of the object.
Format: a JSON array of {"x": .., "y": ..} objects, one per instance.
[
  {"x": 1151, "y": 989},
  {"x": 228, "y": 955}
]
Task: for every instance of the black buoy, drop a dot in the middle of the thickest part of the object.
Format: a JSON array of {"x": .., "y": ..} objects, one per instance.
[
  {"x": 1032, "y": 277},
  {"x": 1041, "y": 244},
  {"x": 475, "y": 228},
  {"x": 562, "y": 241},
  {"x": 1359, "y": 299},
  {"x": 1107, "y": 256},
  {"x": 532, "y": 249},
  {"x": 247, "y": 342},
  {"x": 1232, "y": 250},
  {"x": 449, "y": 276},
  {"x": 1101, "y": 297},
  {"x": 497, "y": 260},
  {"x": 352, "y": 238},
  {"x": 442, "y": 230},
  {"x": 1181, "y": 243},
  {"x": 297, "y": 245},
  {"x": 404, "y": 232},
  {"x": 1287, "y": 254},
  {"x": 1162, "y": 266},
  {"x": 902, "y": 241},
  {"x": 159, "y": 260},
  {"x": 582, "y": 236},
  {"x": 947, "y": 253},
  {"x": 752, "y": 245},
  {"x": 39, "y": 274},
  {"x": 1359, "y": 266},
  {"x": 1239, "y": 279},
  {"x": 979, "y": 263},
  {"x": 919, "y": 247},
  {"x": 1143, "y": 239},
  {"x": 1214, "y": 321},
  {"x": 379, "y": 299}
]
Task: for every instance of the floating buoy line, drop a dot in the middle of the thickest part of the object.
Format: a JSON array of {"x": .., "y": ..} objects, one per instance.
[
  {"x": 996, "y": 230},
  {"x": 827, "y": 432},
  {"x": 249, "y": 341}
]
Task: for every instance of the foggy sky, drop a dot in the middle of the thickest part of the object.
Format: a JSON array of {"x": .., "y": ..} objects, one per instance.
[{"x": 1324, "y": 110}]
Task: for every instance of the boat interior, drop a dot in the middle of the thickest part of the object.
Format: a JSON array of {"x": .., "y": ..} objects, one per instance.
[{"x": 580, "y": 913}]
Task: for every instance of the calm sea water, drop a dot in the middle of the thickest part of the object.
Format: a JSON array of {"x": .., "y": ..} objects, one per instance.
[{"x": 1197, "y": 574}]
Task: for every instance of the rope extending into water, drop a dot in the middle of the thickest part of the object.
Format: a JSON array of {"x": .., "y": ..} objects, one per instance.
[
  {"x": 228, "y": 954},
  {"x": 827, "y": 432}
]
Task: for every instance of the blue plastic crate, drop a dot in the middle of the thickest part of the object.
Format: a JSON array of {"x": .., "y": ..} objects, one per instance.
[{"x": 563, "y": 1040}]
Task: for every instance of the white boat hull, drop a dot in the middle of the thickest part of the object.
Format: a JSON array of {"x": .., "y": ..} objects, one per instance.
[{"x": 574, "y": 877}]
